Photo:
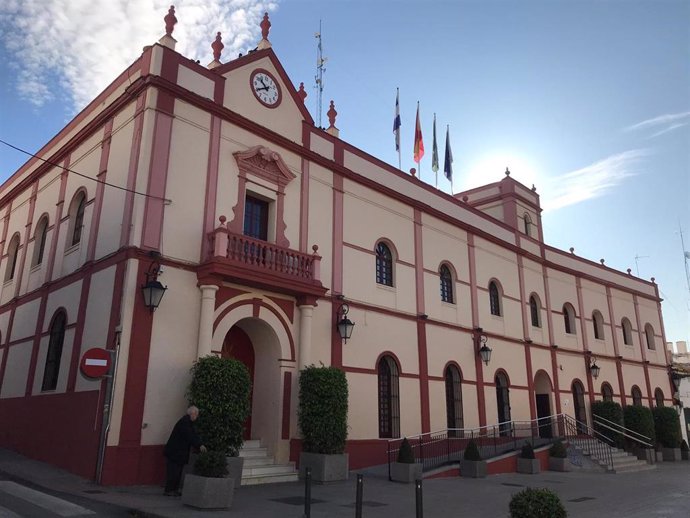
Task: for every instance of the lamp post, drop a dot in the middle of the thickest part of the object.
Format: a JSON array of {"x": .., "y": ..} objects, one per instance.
[
  {"x": 344, "y": 324},
  {"x": 153, "y": 290}
]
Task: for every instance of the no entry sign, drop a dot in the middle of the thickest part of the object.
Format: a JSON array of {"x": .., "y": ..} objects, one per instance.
[{"x": 95, "y": 363}]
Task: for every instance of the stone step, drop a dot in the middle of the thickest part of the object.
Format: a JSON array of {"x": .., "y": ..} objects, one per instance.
[
  {"x": 634, "y": 468},
  {"x": 258, "y": 461},
  {"x": 269, "y": 479},
  {"x": 253, "y": 452},
  {"x": 252, "y": 443},
  {"x": 272, "y": 469}
]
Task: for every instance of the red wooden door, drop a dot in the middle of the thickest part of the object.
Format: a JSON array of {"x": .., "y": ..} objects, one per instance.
[{"x": 239, "y": 346}]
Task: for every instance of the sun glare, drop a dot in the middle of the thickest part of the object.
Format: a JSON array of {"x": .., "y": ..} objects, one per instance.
[{"x": 491, "y": 168}]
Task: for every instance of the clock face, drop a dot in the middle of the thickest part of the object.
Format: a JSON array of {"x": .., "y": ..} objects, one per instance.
[{"x": 265, "y": 88}]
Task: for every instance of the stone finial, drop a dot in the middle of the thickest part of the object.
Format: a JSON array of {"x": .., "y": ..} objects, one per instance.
[
  {"x": 653, "y": 280},
  {"x": 265, "y": 27},
  {"x": 534, "y": 188},
  {"x": 332, "y": 114},
  {"x": 413, "y": 172},
  {"x": 170, "y": 21},
  {"x": 302, "y": 92},
  {"x": 507, "y": 172},
  {"x": 217, "y": 47},
  {"x": 629, "y": 271},
  {"x": 222, "y": 220},
  {"x": 465, "y": 198},
  {"x": 601, "y": 261},
  {"x": 572, "y": 250}
]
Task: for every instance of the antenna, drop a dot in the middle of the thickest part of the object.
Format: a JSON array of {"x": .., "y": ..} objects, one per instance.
[
  {"x": 637, "y": 268},
  {"x": 320, "y": 61}
]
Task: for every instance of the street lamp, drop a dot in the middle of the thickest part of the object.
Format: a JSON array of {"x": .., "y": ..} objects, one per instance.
[
  {"x": 153, "y": 290},
  {"x": 344, "y": 324},
  {"x": 594, "y": 368},
  {"x": 484, "y": 351}
]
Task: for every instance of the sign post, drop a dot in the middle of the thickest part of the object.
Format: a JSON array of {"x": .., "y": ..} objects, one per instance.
[{"x": 95, "y": 363}]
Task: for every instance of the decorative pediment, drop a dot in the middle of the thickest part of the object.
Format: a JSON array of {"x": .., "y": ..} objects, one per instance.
[{"x": 265, "y": 164}]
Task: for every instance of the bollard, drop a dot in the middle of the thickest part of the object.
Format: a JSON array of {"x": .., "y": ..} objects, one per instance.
[
  {"x": 358, "y": 502},
  {"x": 418, "y": 495},
  {"x": 307, "y": 494}
]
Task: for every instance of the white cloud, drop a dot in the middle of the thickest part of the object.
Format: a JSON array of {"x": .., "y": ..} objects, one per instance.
[
  {"x": 591, "y": 181},
  {"x": 85, "y": 44},
  {"x": 667, "y": 122}
]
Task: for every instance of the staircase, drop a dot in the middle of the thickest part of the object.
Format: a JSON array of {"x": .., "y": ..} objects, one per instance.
[
  {"x": 259, "y": 468},
  {"x": 605, "y": 456}
]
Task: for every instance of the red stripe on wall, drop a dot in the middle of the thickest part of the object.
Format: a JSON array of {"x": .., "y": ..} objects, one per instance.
[
  {"x": 100, "y": 189},
  {"x": 287, "y": 394}
]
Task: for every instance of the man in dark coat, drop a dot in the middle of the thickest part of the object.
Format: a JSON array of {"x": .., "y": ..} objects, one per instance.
[{"x": 182, "y": 438}]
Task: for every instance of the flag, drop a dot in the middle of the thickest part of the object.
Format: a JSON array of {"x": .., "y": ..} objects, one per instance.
[
  {"x": 418, "y": 140},
  {"x": 396, "y": 121},
  {"x": 434, "y": 151},
  {"x": 448, "y": 162}
]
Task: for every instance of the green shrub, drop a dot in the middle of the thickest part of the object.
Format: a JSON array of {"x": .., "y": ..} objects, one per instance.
[
  {"x": 527, "y": 451},
  {"x": 611, "y": 411},
  {"x": 667, "y": 427},
  {"x": 558, "y": 450},
  {"x": 639, "y": 419},
  {"x": 211, "y": 464},
  {"x": 220, "y": 388},
  {"x": 536, "y": 503},
  {"x": 323, "y": 409},
  {"x": 472, "y": 451},
  {"x": 684, "y": 445},
  {"x": 405, "y": 454}
]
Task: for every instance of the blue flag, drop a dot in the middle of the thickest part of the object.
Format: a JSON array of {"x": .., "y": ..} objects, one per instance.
[
  {"x": 396, "y": 121},
  {"x": 448, "y": 162}
]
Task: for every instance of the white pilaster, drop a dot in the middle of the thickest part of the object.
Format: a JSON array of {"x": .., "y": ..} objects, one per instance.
[
  {"x": 208, "y": 306},
  {"x": 305, "y": 320}
]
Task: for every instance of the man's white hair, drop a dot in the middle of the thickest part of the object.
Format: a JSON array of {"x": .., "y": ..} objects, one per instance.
[{"x": 192, "y": 409}]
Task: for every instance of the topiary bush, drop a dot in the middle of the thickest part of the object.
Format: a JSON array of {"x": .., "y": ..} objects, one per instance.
[
  {"x": 322, "y": 413},
  {"x": 611, "y": 411},
  {"x": 558, "y": 450},
  {"x": 536, "y": 503},
  {"x": 220, "y": 388},
  {"x": 405, "y": 454},
  {"x": 667, "y": 427},
  {"x": 472, "y": 451},
  {"x": 211, "y": 464},
  {"x": 527, "y": 451},
  {"x": 639, "y": 419}
]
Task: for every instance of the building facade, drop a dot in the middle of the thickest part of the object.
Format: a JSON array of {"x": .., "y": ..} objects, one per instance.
[{"x": 264, "y": 226}]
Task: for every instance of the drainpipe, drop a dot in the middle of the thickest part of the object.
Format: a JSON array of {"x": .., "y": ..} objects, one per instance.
[{"x": 109, "y": 396}]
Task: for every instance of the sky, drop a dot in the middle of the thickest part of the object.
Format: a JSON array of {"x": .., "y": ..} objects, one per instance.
[{"x": 587, "y": 100}]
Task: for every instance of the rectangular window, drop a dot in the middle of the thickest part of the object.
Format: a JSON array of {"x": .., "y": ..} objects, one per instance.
[{"x": 256, "y": 218}]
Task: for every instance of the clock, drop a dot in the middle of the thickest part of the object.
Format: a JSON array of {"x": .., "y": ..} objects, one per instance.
[{"x": 265, "y": 88}]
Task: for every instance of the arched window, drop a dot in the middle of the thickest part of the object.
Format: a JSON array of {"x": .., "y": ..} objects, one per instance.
[
  {"x": 659, "y": 397},
  {"x": 453, "y": 400},
  {"x": 40, "y": 241},
  {"x": 503, "y": 403},
  {"x": 494, "y": 299},
  {"x": 649, "y": 336},
  {"x": 579, "y": 406},
  {"x": 598, "y": 324},
  {"x": 569, "y": 318},
  {"x": 446, "y": 284},
  {"x": 636, "y": 395},
  {"x": 627, "y": 331},
  {"x": 528, "y": 224},
  {"x": 384, "y": 265},
  {"x": 389, "y": 398},
  {"x": 535, "y": 311},
  {"x": 12, "y": 256},
  {"x": 606, "y": 392},
  {"x": 76, "y": 215},
  {"x": 57, "y": 338}
]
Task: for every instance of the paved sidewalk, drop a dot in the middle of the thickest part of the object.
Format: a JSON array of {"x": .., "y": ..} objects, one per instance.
[{"x": 664, "y": 492}]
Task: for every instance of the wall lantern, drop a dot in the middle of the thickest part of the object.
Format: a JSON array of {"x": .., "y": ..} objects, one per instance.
[
  {"x": 344, "y": 324},
  {"x": 484, "y": 351},
  {"x": 153, "y": 290},
  {"x": 594, "y": 368}
]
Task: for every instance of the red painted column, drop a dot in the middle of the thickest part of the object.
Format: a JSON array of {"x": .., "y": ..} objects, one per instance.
[
  {"x": 525, "y": 330},
  {"x": 554, "y": 356},
  {"x": 128, "y": 210},
  {"x": 337, "y": 273},
  {"x": 211, "y": 185},
  {"x": 421, "y": 323},
  {"x": 643, "y": 350},
  {"x": 100, "y": 190},
  {"x": 614, "y": 334},
  {"x": 585, "y": 341},
  {"x": 478, "y": 367},
  {"x": 58, "y": 217},
  {"x": 19, "y": 273}
]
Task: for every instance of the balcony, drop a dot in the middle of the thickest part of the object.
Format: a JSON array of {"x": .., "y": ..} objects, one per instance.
[{"x": 244, "y": 260}]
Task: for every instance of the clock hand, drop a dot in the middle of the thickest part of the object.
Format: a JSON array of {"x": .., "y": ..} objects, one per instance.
[{"x": 264, "y": 88}]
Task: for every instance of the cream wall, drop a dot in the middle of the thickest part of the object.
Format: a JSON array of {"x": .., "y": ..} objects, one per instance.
[{"x": 14, "y": 381}]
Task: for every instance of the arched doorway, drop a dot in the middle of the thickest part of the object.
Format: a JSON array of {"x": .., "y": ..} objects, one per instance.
[
  {"x": 503, "y": 402},
  {"x": 542, "y": 395},
  {"x": 454, "y": 416},
  {"x": 579, "y": 406},
  {"x": 238, "y": 345}
]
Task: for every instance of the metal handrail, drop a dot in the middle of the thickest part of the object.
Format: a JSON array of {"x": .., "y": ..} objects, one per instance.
[
  {"x": 647, "y": 444},
  {"x": 598, "y": 417},
  {"x": 596, "y": 446}
]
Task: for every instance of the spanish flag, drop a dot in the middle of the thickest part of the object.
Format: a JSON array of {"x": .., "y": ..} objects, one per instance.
[{"x": 418, "y": 140}]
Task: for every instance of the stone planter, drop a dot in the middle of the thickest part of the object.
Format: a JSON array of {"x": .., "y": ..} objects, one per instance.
[
  {"x": 235, "y": 465},
  {"x": 473, "y": 468},
  {"x": 685, "y": 454},
  {"x": 671, "y": 454},
  {"x": 403, "y": 472},
  {"x": 646, "y": 454},
  {"x": 659, "y": 456},
  {"x": 324, "y": 468},
  {"x": 559, "y": 464},
  {"x": 207, "y": 492},
  {"x": 528, "y": 466}
]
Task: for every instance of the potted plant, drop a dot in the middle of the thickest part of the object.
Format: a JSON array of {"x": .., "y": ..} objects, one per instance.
[
  {"x": 558, "y": 457},
  {"x": 536, "y": 503},
  {"x": 684, "y": 450},
  {"x": 639, "y": 419},
  {"x": 527, "y": 462},
  {"x": 472, "y": 464},
  {"x": 220, "y": 388},
  {"x": 406, "y": 469},
  {"x": 667, "y": 428},
  {"x": 322, "y": 417},
  {"x": 208, "y": 487}
]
